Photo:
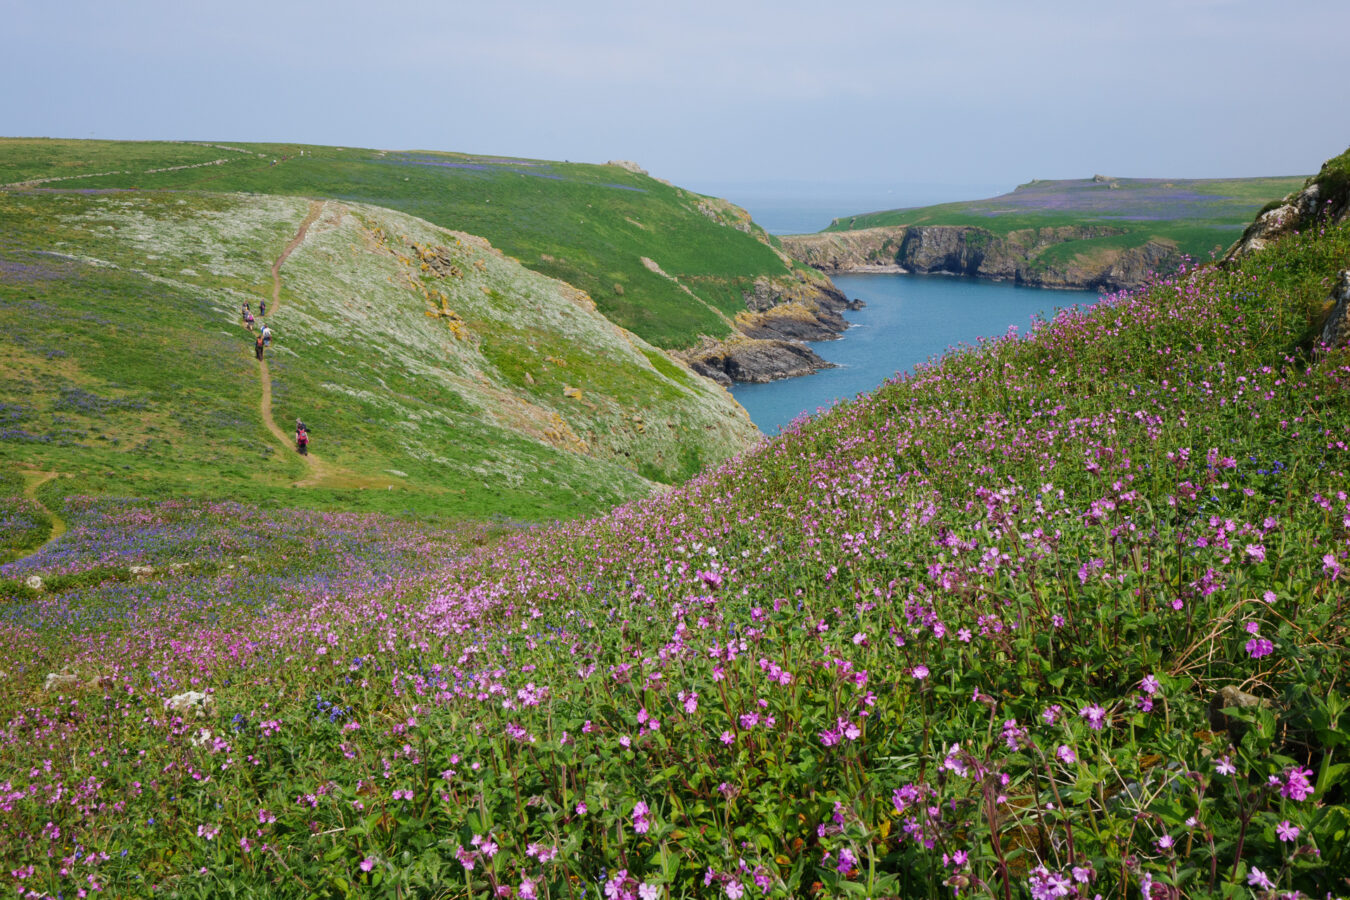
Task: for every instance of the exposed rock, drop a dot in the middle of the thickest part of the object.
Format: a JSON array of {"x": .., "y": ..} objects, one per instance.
[
  {"x": 755, "y": 361},
  {"x": 189, "y": 701},
  {"x": 1276, "y": 223},
  {"x": 1336, "y": 331},
  {"x": 967, "y": 250},
  {"x": 629, "y": 165},
  {"x": 1326, "y": 196},
  {"x": 60, "y": 681},
  {"x": 1230, "y": 697},
  {"x": 141, "y": 571},
  {"x": 33, "y": 582}
]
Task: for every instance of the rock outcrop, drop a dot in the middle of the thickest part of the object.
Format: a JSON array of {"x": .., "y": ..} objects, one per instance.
[
  {"x": 1327, "y": 195},
  {"x": 754, "y": 360},
  {"x": 780, "y": 314},
  {"x": 1018, "y": 256},
  {"x": 1336, "y": 331}
]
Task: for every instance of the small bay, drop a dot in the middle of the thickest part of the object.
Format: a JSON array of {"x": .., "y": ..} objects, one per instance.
[{"x": 907, "y": 319}]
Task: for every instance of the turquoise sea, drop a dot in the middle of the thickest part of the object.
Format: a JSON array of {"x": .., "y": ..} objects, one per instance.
[{"x": 907, "y": 319}]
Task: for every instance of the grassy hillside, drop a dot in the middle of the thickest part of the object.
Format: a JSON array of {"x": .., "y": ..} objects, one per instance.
[
  {"x": 1196, "y": 215},
  {"x": 591, "y": 226},
  {"x": 437, "y": 376},
  {"x": 1055, "y": 617}
]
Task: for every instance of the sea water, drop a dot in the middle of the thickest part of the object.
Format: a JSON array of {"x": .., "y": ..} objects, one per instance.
[{"x": 907, "y": 319}]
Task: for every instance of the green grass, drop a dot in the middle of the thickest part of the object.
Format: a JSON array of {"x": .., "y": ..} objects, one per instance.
[
  {"x": 969, "y": 626},
  {"x": 1197, "y": 215},
  {"x": 125, "y": 366},
  {"x": 587, "y": 225}
]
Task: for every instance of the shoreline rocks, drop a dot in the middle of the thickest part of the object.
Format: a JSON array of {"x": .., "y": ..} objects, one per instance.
[{"x": 975, "y": 252}]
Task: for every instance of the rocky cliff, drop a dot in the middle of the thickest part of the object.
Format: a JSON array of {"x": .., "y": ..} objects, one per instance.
[
  {"x": 1325, "y": 196},
  {"x": 1032, "y": 256},
  {"x": 779, "y": 315}
]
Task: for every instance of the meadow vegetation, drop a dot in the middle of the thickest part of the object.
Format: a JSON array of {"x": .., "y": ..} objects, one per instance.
[
  {"x": 1055, "y": 616},
  {"x": 1197, "y": 216},
  {"x": 439, "y": 377},
  {"x": 588, "y": 225}
]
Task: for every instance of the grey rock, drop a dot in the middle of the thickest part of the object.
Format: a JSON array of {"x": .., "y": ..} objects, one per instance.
[
  {"x": 1336, "y": 331},
  {"x": 1231, "y": 697},
  {"x": 60, "y": 681},
  {"x": 756, "y": 361}
]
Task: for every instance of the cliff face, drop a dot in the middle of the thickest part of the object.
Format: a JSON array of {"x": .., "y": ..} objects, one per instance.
[
  {"x": 1327, "y": 195},
  {"x": 966, "y": 250},
  {"x": 779, "y": 315}
]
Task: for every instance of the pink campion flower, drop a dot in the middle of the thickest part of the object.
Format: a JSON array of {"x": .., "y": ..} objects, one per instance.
[
  {"x": 1224, "y": 766},
  {"x": 846, "y": 860},
  {"x": 1260, "y": 880},
  {"x": 1253, "y": 627},
  {"x": 728, "y": 738},
  {"x": 367, "y": 864},
  {"x": 614, "y": 886},
  {"x": 1150, "y": 685},
  {"x": 1286, "y": 831},
  {"x": 689, "y": 701},
  {"x": 1258, "y": 647},
  {"x": 527, "y": 891},
  {"x": 1050, "y": 715},
  {"x": 1269, "y": 597},
  {"x": 265, "y": 817},
  {"x": 920, "y": 672},
  {"x": 1047, "y": 885},
  {"x": 1066, "y": 755},
  {"x": 648, "y": 891},
  {"x": 1095, "y": 716},
  {"x": 1256, "y": 552},
  {"x": 1297, "y": 785},
  {"x": 734, "y": 890},
  {"x": 581, "y": 809},
  {"x": 208, "y": 831}
]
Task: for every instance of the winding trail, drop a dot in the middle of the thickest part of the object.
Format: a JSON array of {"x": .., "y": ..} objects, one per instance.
[
  {"x": 318, "y": 471},
  {"x": 32, "y": 481},
  {"x": 321, "y": 474}
]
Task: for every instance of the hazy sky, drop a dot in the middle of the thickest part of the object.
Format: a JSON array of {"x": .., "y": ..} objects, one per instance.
[{"x": 954, "y": 92}]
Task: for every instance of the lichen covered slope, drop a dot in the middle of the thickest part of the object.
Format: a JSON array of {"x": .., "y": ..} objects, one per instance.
[{"x": 425, "y": 361}]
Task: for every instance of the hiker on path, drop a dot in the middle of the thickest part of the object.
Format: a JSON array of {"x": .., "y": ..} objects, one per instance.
[
  {"x": 265, "y": 335},
  {"x": 262, "y": 308},
  {"x": 258, "y": 347},
  {"x": 248, "y": 320},
  {"x": 301, "y": 438}
]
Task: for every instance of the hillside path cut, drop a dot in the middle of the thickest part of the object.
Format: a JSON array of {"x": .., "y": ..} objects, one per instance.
[
  {"x": 321, "y": 474},
  {"x": 33, "y": 481}
]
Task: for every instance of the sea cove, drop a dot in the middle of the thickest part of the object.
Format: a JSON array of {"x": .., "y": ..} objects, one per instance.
[{"x": 907, "y": 319}]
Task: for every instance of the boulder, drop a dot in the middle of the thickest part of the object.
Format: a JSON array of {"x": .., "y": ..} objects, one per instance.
[
  {"x": 33, "y": 582},
  {"x": 1336, "y": 331},
  {"x": 756, "y": 361},
  {"x": 60, "y": 681},
  {"x": 189, "y": 702},
  {"x": 1230, "y": 697}
]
